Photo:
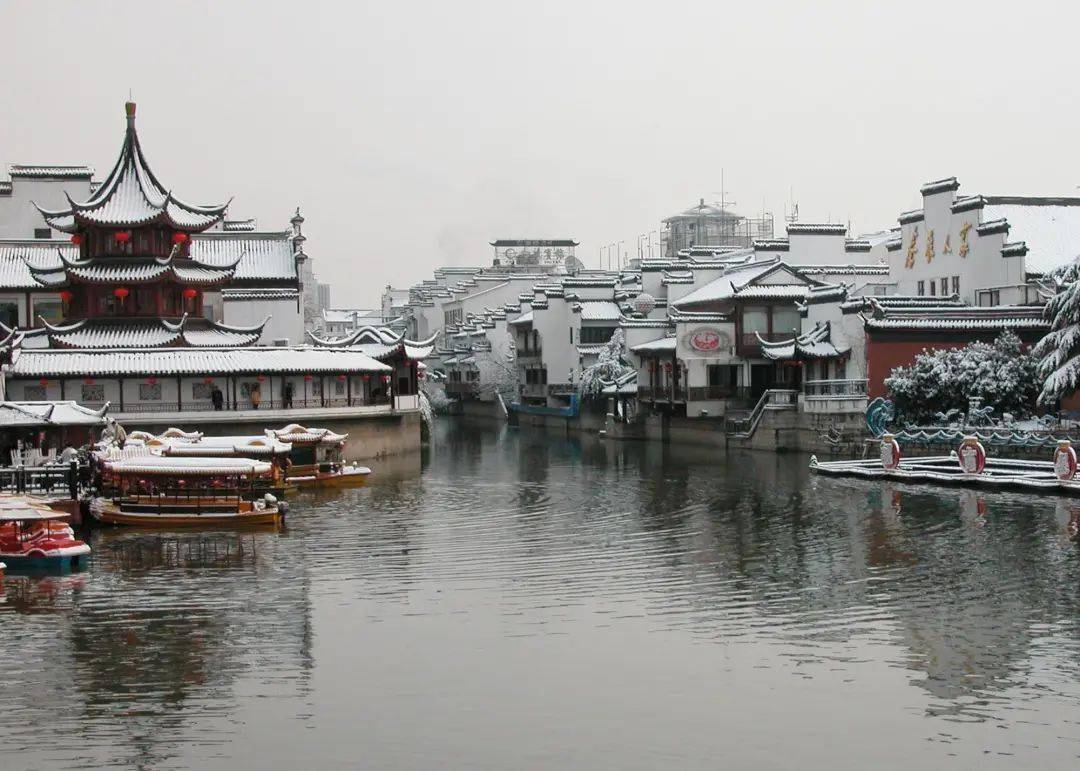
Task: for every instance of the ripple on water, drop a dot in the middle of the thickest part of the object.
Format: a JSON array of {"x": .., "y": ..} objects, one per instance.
[{"x": 158, "y": 655}]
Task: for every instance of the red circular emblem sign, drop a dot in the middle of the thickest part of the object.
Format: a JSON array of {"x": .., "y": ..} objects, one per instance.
[{"x": 707, "y": 340}]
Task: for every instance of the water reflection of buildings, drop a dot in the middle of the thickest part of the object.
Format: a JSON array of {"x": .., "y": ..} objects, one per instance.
[
  {"x": 165, "y": 628},
  {"x": 747, "y": 545}
]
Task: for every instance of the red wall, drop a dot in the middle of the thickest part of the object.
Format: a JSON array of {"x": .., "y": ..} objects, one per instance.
[{"x": 882, "y": 356}]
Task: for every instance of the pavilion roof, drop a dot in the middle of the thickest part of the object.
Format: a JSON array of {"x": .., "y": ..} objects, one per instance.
[
  {"x": 814, "y": 344},
  {"x": 380, "y": 343},
  {"x": 107, "y": 333},
  {"x": 132, "y": 196},
  {"x": 966, "y": 317},
  {"x": 130, "y": 270},
  {"x": 163, "y": 362}
]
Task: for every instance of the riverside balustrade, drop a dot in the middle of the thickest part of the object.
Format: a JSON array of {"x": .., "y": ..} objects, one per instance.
[{"x": 832, "y": 389}]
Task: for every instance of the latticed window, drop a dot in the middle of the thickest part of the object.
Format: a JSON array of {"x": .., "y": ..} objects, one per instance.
[
  {"x": 93, "y": 392},
  {"x": 34, "y": 393},
  {"x": 150, "y": 392},
  {"x": 200, "y": 390}
]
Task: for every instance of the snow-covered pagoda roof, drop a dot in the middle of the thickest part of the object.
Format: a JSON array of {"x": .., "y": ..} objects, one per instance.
[
  {"x": 663, "y": 345},
  {"x": 894, "y": 301},
  {"x": 380, "y": 343},
  {"x": 246, "y": 260},
  {"x": 192, "y": 361},
  {"x": 106, "y": 333},
  {"x": 814, "y": 344},
  {"x": 67, "y": 269},
  {"x": 769, "y": 279},
  {"x": 968, "y": 318},
  {"x": 131, "y": 196}
]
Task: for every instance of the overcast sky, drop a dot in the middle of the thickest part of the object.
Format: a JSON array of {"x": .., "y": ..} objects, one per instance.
[{"x": 413, "y": 133}]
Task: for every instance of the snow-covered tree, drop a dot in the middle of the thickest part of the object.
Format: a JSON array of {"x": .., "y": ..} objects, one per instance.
[
  {"x": 435, "y": 392},
  {"x": 1058, "y": 352},
  {"x": 498, "y": 371},
  {"x": 1001, "y": 373},
  {"x": 609, "y": 366}
]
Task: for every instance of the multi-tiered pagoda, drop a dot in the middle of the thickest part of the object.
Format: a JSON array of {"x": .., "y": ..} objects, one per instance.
[
  {"x": 132, "y": 329},
  {"x": 134, "y": 282}
]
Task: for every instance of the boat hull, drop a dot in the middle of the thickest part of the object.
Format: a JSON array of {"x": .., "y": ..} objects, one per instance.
[
  {"x": 108, "y": 513},
  {"x": 345, "y": 478},
  {"x": 67, "y": 558}
]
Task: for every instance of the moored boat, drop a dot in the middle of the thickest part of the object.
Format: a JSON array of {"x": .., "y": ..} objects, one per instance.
[
  {"x": 34, "y": 536},
  {"x": 316, "y": 458},
  {"x": 160, "y": 491}
]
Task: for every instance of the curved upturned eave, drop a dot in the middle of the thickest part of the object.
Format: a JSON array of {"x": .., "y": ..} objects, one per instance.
[{"x": 157, "y": 198}]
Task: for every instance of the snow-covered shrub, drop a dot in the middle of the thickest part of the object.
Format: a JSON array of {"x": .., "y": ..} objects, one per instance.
[
  {"x": 1002, "y": 373},
  {"x": 609, "y": 366}
]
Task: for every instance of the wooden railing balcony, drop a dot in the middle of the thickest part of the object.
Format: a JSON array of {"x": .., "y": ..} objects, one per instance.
[{"x": 661, "y": 394}]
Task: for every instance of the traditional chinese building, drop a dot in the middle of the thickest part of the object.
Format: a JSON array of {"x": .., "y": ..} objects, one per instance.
[{"x": 135, "y": 283}]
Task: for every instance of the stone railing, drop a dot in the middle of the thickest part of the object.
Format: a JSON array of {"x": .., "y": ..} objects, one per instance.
[{"x": 834, "y": 389}]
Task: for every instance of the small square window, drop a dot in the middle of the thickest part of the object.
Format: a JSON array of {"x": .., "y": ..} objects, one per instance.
[
  {"x": 93, "y": 393},
  {"x": 150, "y": 392},
  {"x": 34, "y": 393},
  {"x": 42, "y": 233}
]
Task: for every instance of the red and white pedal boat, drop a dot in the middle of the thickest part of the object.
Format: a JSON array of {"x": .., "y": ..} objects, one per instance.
[{"x": 35, "y": 536}]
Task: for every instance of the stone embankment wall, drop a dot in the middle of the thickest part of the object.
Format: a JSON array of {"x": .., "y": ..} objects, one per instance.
[{"x": 778, "y": 430}]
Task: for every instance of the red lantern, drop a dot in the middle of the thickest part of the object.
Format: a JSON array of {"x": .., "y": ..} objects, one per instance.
[
  {"x": 76, "y": 239},
  {"x": 367, "y": 378},
  {"x": 190, "y": 294},
  {"x": 307, "y": 377},
  {"x": 340, "y": 377},
  {"x": 121, "y": 292},
  {"x": 67, "y": 296},
  {"x": 208, "y": 380},
  {"x": 261, "y": 378},
  {"x": 43, "y": 382},
  {"x": 122, "y": 236},
  {"x": 179, "y": 238},
  {"x": 151, "y": 380},
  {"x": 667, "y": 366},
  {"x": 386, "y": 378},
  {"x": 88, "y": 380}
]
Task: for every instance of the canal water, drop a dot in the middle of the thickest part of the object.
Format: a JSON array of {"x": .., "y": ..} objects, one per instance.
[{"x": 519, "y": 600}]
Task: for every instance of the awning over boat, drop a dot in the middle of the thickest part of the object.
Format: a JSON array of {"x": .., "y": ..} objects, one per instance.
[
  {"x": 23, "y": 510},
  {"x": 156, "y": 464}
]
